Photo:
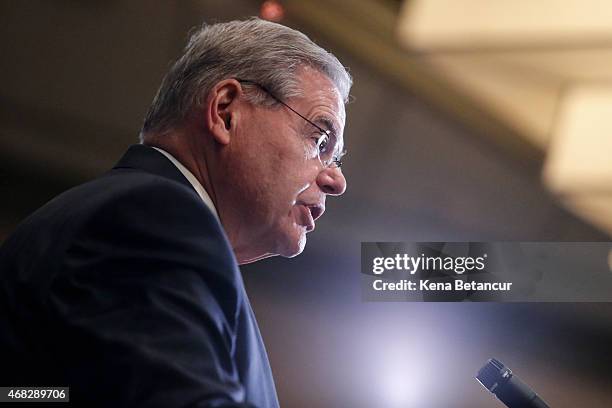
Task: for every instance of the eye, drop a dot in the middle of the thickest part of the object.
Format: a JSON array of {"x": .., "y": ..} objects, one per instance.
[{"x": 322, "y": 140}]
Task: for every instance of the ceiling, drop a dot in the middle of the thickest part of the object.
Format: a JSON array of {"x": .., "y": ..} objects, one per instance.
[{"x": 506, "y": 69}]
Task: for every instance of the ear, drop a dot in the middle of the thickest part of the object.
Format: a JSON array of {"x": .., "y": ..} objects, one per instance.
[{"x": 221, "y": 106}]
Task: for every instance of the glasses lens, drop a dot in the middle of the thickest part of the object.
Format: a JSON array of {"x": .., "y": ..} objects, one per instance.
[
  {"x": 336, "y": 160},
  {"x": 326, "y": 151},
  {"x": 329, "y": 156}
]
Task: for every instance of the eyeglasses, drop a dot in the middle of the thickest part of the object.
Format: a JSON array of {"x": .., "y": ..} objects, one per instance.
[{"x": 325, "y": 153}]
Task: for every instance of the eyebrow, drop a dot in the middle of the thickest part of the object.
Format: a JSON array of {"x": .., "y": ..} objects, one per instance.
[{"x": 328, "y": 123}]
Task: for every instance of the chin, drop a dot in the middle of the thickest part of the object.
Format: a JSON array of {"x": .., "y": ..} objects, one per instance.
[{"x": 292, "y": 243}]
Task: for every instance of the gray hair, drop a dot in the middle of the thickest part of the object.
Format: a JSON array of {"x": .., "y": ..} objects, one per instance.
[{"x": 257, "y": 50}]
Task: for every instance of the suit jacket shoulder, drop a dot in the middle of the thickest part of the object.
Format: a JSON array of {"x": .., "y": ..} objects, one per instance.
[{"x": 132, "y": 283}]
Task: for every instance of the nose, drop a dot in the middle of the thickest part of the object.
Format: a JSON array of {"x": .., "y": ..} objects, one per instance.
[{"x": 331, "y": 181}]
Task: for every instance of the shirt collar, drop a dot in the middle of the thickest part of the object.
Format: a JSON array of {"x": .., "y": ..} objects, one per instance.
[{"x": 192, "y": 180}]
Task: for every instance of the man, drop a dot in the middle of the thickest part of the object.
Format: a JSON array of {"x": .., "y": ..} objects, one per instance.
[{"x": 126, "y": 289}]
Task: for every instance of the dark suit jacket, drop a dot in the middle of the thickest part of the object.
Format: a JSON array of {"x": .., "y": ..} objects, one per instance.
[{"x": 126, "y": 290}]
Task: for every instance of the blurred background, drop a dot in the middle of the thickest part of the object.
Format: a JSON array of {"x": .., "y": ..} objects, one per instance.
[{"x": 471, "y": 120}]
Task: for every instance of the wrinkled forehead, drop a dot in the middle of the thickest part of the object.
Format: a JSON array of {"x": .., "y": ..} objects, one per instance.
[{"x": 322, "y": 97}]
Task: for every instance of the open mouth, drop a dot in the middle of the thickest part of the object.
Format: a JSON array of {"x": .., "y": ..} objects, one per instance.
[
  {"x": 308, "y": 214},
  {"x": 315, "y": 211}
]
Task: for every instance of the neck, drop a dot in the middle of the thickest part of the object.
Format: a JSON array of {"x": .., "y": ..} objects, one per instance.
[
  {"x": 183, "y": 147},
  {"x": 247, "y": 248},
  {"x": 190, "y": 150}
]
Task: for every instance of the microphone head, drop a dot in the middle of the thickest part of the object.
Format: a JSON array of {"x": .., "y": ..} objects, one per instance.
[{"x": 493, "y": 375}]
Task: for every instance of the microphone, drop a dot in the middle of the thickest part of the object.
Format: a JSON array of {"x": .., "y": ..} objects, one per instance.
[{"x": 507, "y": 387}]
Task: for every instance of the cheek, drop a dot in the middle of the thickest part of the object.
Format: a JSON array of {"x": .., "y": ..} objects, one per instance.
[
  {"x": 293, "y": 176},
  {"x": 301, "y": 183},
  {"x": 309, "y": 149},
  {"x": 275, "y": 169}
]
